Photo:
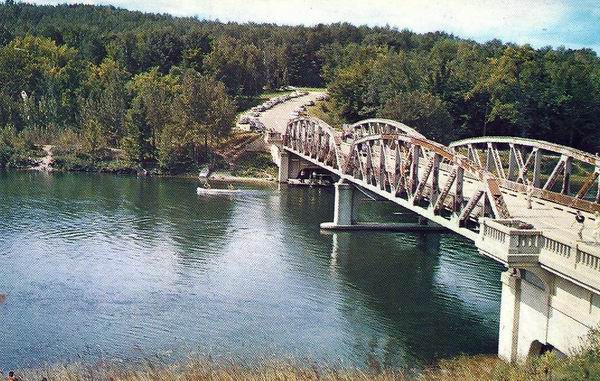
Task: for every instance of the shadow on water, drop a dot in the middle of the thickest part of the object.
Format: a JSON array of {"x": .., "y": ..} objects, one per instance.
[{"x": 430, "y": 295}]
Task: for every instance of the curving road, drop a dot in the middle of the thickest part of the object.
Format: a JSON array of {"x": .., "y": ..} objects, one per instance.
[{"x": 277, "y": 118}]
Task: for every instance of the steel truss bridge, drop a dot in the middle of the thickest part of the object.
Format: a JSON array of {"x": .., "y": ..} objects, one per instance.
[{"x": 479, "y": 188}]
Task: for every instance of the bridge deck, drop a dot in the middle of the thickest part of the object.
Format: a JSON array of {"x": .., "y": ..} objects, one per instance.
[{"x": 553, "y": 219}]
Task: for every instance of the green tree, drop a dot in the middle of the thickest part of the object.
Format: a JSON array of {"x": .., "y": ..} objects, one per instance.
[
  {"x": 152, "y": 96},
  {"x": 512, "y": 86},
  {"x": 238, "y": 65},
  {"x": 572, "y": 97},
  {"x": 106, "y": 99},
  {"x": 347, "y": 90},
  {"x": 38, "y": 80},
  {"x": 202, "y": 113},
  {"x": 94, "y": 138},
  {"x": 422, "y": 111}
]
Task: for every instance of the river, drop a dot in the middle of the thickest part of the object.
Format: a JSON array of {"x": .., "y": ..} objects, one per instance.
[{"x": 121, "y": 267}]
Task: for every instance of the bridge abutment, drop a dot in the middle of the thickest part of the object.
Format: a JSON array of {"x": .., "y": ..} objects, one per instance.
[
  {"x": 284, "y": 166},
  {"x": 509, "y": 316},
  {"x": 541, "y": 306}
]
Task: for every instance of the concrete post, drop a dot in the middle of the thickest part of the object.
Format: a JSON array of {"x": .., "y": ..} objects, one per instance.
[
  {"x": 284, "y": 163},
  {"x": 509, "y": 316},
  {"x": 458, "y": 190},
  {"x": 343, "y": 212},
  {"x": 598, "y": 193},
  {"x": 414, "y": 168},
  {"x": 435, "y": 179}
]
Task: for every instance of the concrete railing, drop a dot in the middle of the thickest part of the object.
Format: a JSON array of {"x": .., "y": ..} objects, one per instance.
[
  {"x": 573, "y": 260},
  {"x": 512, "y": 242},
  {"x": 518, "y": 245}
]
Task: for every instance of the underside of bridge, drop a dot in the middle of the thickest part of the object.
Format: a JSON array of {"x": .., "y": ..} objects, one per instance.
[{"x": 551, "y": 289}]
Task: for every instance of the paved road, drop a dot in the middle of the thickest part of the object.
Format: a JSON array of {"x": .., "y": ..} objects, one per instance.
[{"x": 278, "y": 117}]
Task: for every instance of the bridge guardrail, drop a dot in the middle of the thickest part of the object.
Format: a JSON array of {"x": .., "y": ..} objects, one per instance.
[
  {"x": 514, "y": 246},
  {"x": 512, "y": 242},
  {"x": 575, "y": 260}
]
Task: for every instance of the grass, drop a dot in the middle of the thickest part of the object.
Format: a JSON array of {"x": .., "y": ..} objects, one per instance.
[
  {"x": 583, "y": 364},
  {"x": 315, "y": 89},
  {"x": 255, "y": 164}
]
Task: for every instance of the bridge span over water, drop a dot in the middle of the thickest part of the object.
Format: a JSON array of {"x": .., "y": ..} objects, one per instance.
[{"x": 478, "y": 188}]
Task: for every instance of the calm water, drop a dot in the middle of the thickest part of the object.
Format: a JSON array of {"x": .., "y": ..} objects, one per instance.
[{"x": 121, "y": 267}]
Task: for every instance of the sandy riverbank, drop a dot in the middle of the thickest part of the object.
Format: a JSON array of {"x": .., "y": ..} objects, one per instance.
[{"x": 227, "y": 177}]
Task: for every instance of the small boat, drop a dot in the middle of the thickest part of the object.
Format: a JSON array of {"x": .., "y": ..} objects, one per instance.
[{"x": 202, "y": 190}]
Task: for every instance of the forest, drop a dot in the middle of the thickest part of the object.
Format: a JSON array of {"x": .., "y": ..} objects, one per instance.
[{"x": 161, "y": 91}]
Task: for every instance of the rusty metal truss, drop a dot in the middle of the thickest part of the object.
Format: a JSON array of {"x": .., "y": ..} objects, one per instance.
[
  {"x": 549, "y": 168},
  {"x": 401, "y": 164}
]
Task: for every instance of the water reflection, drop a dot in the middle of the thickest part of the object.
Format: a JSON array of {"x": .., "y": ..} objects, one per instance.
[{"x": 131, "y": 267}]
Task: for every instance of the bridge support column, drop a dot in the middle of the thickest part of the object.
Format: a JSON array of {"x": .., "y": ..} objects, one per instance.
[
  {"x": 284, "y": 165},
  {"x": 598, "y": 193},
  {"x": 566, "y": 186},
  {"x": 489, "y": 159},
  {"x": 512, "y": 163},
  {"x": 343, "y": 212}
]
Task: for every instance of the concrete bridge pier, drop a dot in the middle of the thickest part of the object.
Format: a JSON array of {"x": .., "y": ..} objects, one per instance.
[
  {"x": 344, "y": 216},
  {"x": 343, "y": 212},
  {"x": 343, "y": 208}
]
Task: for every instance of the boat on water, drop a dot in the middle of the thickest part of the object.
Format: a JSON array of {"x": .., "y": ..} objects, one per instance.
[
  {"x": 313, "y": 177},
  {"x": 209, "y": 191}
]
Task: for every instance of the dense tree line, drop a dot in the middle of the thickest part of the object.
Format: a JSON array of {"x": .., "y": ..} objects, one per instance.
[
  {"x": 461, "y": 88},
  {"x": 162, "y": 89}
]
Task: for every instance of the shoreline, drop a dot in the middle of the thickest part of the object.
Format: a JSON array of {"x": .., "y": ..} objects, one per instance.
[
  {"x": 226, "y": 177},
  {"x": 219, "y": 177}
]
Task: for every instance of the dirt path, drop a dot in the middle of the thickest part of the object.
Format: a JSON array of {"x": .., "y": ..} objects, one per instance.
[{"x": 45, "y": 164}]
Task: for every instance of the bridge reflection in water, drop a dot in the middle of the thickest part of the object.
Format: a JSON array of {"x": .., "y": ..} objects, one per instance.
[
  {"x": 431, "y": 278},
  {"x": 551, "y": 288}
]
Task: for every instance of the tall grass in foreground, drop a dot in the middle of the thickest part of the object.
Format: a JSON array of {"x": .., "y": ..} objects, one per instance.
[{"x": 583, "y": 364}]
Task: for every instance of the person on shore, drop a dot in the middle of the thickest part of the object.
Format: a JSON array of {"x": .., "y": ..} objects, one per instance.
[
  {"x": 580, "y": 221},
  {"x": 11, "y": 376},
  {"x": 529, "y": 195},
  {"x": 597, "y": 227}
]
